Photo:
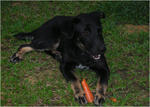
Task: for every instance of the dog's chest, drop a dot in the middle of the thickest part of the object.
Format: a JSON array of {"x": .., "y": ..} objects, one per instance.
[{"x": 80, "y": 66}]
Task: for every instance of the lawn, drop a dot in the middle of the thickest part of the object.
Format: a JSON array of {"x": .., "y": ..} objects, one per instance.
[{"x": 37, "y": 80}]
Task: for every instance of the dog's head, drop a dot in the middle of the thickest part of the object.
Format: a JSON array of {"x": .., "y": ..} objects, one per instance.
[
  {"x": 89, "y": 33},
  {"x": 86, "y": 31}
]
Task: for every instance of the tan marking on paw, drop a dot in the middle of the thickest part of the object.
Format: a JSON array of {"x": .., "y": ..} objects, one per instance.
[{"x": 22, "y": 51}]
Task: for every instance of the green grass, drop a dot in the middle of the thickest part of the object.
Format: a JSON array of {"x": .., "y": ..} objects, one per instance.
[
  {"x": 37, "y": 80},
  {"x": 126, "y": 12}
]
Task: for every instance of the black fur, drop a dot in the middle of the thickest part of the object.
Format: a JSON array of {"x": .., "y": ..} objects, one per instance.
[{"x": 79, "y": 39}]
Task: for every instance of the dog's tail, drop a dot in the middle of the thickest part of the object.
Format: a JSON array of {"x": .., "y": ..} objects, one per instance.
[{"x": 24, "y": 36}]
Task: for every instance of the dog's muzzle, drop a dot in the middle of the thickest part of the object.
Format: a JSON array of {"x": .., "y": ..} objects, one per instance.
[{"x": 82, "y": 47}]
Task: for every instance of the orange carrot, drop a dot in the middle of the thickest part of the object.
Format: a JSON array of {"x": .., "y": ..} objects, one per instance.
[
  {"x": 113, "y": 99},
  {"x": 88, "y": 93}
]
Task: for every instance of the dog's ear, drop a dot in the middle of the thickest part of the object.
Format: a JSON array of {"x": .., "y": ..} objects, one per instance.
[{"x": 98, "y": 14}]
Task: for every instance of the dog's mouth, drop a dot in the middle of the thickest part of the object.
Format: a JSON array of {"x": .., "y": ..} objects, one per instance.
[{"x": 96, "y": 57}]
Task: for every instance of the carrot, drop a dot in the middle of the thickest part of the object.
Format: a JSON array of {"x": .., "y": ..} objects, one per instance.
[
  {"x": 113, "y": 99},
  {"x": 88, "y": 93}
]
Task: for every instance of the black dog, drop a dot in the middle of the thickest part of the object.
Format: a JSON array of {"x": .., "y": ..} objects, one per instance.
[{"x": 72, "y": 40}]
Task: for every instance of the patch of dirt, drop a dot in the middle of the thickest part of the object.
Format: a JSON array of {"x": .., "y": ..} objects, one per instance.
[
  {"x": 53, "y": 101},
  {"x": 16, "y": 3},
  {"x": 31, "y": 79},
  {"x": 9, "y": 102},
  {"x": 42, "y": 72},
  {"x": 55, "y": 97},
  {"x": 2, "y": 97},
  {"x": 39, "y": 103},
  {"x": 123, "y": 73},
  {"x": 135, "y": 28}
]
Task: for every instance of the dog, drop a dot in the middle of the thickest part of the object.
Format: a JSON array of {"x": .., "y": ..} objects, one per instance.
[{"x": 72, "y": 40}]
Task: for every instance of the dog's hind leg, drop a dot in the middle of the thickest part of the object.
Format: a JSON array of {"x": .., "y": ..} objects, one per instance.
[
  {"x": 20, "y": 52},
  {"x": 55, "y": 54},
  {"x": 38, "y": 46}
]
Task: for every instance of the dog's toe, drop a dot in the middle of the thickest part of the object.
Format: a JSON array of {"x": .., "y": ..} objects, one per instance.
[
  {"x": 15, "y": 59},
  {"x": 81, "y": 99},
  {"x": 99, "y": 100}
]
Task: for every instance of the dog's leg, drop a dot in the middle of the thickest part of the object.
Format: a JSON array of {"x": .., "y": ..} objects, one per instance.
[
  {"x": 102, "y": 71},
  {"x": 21, "y": 51},
  {"x": 55, "y": 54},
  {"x": 101, "y": 90},
  {"x": 66, "y": 70},
  {"x": 78, "y": 92}
]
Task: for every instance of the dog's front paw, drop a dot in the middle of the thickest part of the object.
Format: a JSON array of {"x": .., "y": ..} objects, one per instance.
[
  {"x": 99, "y": 99},
  {"x": 81, "y": 98},
  {"x": 15, "y": 58}
]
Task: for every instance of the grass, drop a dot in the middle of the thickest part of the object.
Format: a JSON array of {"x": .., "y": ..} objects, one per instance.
[
  {"x": 37, "y": 80},
  {"x": 126, "y": 12}
]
